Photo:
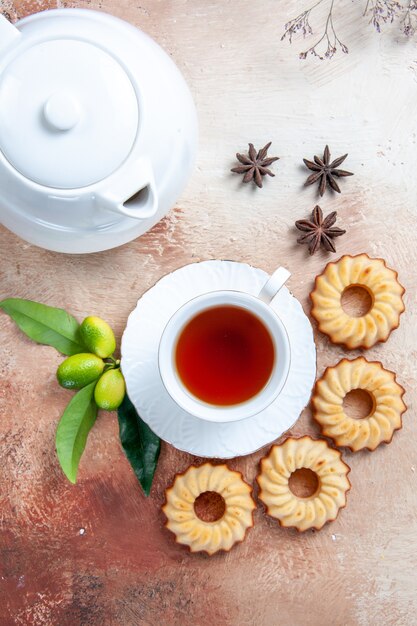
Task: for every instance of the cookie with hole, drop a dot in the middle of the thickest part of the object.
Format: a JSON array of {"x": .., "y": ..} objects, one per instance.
[
  {"x": 385, "y": 407},
  {"x": 321, "y": 492},
  {"x": 209, "y": 508},
  {"x": 378, "y": 282}
]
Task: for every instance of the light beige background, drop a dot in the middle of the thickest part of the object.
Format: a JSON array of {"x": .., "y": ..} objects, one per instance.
[{"x": 97, "y": 553}]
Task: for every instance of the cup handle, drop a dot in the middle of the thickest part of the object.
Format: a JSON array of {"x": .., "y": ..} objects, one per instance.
[{"x": 274, "y": 284}]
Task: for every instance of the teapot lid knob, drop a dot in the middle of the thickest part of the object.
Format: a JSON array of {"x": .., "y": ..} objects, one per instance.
[{"x": 62, "y": 111}]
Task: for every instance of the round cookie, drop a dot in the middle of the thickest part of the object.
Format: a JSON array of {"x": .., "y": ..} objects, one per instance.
[
  {"x": 332, "y": 484},
  {"x": 382, "y": 285},
  {"x": 228, "y": 505},
  {"x": 385, "y": 415}
]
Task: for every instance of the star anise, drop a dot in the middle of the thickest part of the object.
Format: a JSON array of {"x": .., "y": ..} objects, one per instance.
[
  {"x": 255, "y": 165},
  {"x": 325, "y": 171},
  {"x": 319, "y": 231}
]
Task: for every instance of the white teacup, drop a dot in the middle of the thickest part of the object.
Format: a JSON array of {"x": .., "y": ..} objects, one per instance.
[{"x": 258, "y": 306}]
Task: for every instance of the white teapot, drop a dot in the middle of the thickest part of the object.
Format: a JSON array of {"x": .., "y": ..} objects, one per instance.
[{"x": 98, "y": 130}]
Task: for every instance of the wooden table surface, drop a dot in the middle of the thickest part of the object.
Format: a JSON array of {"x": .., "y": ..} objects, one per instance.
[{"x": 96, "y": 553}]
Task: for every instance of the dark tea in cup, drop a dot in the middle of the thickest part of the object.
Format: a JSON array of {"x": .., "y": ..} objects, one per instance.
[{"x": 224, "y": 355}]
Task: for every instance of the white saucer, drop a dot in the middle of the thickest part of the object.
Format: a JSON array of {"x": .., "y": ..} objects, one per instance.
[{"x": 144, "y": 385}]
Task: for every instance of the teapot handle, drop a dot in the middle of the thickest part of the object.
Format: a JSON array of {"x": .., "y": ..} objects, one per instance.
[
  {"x": 133, "y": 193},
  {"x": 8, "y": 33}
]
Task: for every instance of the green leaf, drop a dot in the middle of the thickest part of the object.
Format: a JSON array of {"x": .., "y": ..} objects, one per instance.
[
  {"x": 73, "y": 428},
  {"x": 45, "y": 324},
  {"x": 140, "y": 444}
]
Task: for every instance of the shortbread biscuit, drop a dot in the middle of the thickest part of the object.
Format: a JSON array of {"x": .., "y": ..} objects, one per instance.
[
  {"x": 332, "y": 483},
  {"x": 382, "y": 285},
  {"x": 236, "y": 514},
  {"x": 369, "y": 431}
]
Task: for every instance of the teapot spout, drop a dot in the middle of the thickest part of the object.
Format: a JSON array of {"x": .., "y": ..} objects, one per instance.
[
  {"x": 132, "y": 192},
  {"x": 9, "y": 34}
]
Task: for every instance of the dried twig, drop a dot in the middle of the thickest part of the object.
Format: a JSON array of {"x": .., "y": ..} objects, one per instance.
[
  {"x": 382, "y": 11},
  {"x": 299, "y": 24},
  {"x": 329, "y": 38},
  {"x": 409, "y": 21}
]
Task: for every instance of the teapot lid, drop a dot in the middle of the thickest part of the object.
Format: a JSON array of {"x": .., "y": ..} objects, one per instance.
[{"x": 68, "y": 113}]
